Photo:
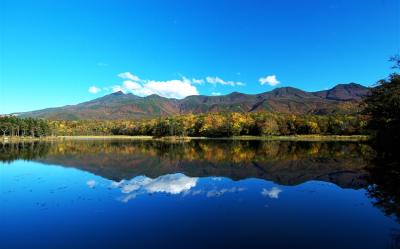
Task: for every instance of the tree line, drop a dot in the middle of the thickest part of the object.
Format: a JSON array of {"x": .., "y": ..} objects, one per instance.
[
  {"x": 244, "y": 124},
  {"x": 15, "y": 126},
  {"x": 205, "y": 125}
]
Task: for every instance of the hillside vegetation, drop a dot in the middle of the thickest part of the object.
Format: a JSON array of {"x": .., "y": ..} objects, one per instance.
[
  {"x": 207, "y": 125},
  {"x": 342, "y": 99}
]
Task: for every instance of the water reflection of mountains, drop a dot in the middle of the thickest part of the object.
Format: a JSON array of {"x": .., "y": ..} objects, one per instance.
[{"x": 287, "y": 163}]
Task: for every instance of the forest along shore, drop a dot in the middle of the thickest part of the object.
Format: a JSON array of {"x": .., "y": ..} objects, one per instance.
[{"x": 186, "y": 138}]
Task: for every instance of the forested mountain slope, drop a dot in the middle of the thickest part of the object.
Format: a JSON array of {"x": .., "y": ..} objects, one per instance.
[{"x": 343, "y": 98}]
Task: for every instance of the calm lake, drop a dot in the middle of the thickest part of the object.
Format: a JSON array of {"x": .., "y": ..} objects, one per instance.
[{"x": 197, "y": 194}]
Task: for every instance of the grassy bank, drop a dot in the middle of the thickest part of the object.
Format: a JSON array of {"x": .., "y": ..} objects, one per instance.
[
  {"x": 285, "y": 138},
  {"x": 27, "y": 139},
  {"x": 308, "y": 138},
  {"x": 105, "y": 137},
  {"x": 177, "y": 138}
]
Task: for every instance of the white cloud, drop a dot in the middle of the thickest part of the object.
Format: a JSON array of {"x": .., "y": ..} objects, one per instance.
[
  {"x": 91, "y": 183},
  {"x": 117, "y": 88},
  {"x": 272, "y": 193},
  {"x": 198, "y": 81},
  {"x": 178, "y": 88},
  {"x": 215, "y": 93},
  {"x": 175, "y": 88},
  {"x": 131, "y": 85},
  {"x": 94, "y": 89},
  {"x": 128, "y": 76},
  {"x": 171, "y": 88},
  {"x": 217, "y": 80},
  {"x": 270, "y": 80}
]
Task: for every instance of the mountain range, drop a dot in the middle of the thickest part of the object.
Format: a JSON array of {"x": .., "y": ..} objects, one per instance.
[{"x": 343, "y": 98}]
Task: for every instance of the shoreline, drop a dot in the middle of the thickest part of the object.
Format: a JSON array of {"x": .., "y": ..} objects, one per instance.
[{"x": 305, "y": 138}]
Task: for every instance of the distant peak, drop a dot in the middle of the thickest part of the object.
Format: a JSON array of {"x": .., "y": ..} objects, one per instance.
[
  {"x": 153, "y": 96},
  {"x": 351, "y": 84},
  {"x": 118, "y": 93},
  {"x": 344, "y": 91},
  {"x": 286, "y": 89}
]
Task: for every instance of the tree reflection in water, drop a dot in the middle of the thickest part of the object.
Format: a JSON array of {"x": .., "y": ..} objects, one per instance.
[{"x": 347, "y": 164}]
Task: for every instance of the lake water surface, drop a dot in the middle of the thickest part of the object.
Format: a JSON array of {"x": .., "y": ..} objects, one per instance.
[{"x": 198, "y": 194}]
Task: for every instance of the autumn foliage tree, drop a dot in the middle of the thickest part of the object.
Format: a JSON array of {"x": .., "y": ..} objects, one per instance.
[
  {"x": 382, "y": 107},
  {"x": 206, "y": 125}
]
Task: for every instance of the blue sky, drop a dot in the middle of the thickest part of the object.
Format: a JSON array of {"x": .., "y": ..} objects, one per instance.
[{"x": 54, "y": 52}]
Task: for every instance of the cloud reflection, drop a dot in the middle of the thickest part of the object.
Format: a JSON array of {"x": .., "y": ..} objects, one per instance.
[
  {"x": 91, "y": 183},
  {"x": 220, "y": 192},
  {"x": 271, "y": 193},
  {"x": 173, "y": 184},
  {"x": 127, "y": 198},
  {"x": 170, "y": 184}
]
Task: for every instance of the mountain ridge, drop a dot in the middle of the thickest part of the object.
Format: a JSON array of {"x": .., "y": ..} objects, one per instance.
[{"x": 343, "y": 98}]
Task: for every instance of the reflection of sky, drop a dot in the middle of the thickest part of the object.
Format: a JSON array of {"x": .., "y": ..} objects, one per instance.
[
  {"x": 40, "y": 199},
  {"x": 169, "y": 184},
  {"x": 91, "y": 183},
  {"x": 173, "y": 184},
  {"x": 219, "y": 192},
  {"x": 272, "y": 193}
]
